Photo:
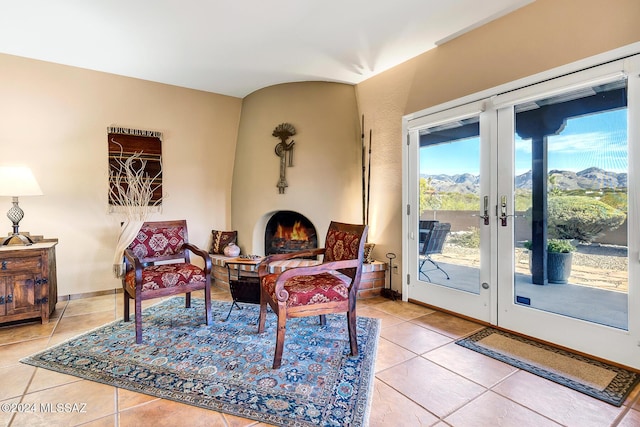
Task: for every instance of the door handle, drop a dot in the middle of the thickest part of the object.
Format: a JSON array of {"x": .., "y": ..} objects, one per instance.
[
  {"x": 486, "y": 210},
  {"x": 485, "y": 217},
  {"x": 503, "y": 211}
]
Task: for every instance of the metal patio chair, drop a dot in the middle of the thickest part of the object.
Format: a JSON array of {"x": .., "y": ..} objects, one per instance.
[{"x": 433, "y": 244}]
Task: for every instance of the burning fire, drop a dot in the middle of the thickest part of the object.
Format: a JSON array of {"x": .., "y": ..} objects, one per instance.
[{"x": 297, "y": 232}]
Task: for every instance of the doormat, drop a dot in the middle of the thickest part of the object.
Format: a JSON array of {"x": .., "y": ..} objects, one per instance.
[
  {"x": 226, "y": 366},
  {"x": 606, "y": 382}
]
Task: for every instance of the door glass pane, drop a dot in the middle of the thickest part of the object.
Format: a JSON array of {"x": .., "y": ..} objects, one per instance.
[
  {"x": 449, "y": 243},
  {"x": 571, "y": 196}
]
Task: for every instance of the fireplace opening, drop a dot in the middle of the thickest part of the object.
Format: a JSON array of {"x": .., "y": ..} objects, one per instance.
[{"x": 289, "y": 231}]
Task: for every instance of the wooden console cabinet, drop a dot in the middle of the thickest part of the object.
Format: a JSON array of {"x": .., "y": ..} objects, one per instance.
[{"x": 28, "y": 283}]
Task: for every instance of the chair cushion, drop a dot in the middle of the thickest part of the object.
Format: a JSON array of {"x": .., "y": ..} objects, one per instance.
[
  {"x": 340, "y": 245},
  {"x": 166, "y": 276},
  {"x": 304, "y": 290},
  {"x": 154, "y": 241}
]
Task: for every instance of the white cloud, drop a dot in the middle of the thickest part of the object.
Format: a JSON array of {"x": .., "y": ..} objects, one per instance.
[{"x": 605, "y": 150}]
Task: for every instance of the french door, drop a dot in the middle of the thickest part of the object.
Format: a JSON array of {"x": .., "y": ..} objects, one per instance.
[
  {"x": 513, "y": 178},
  {"x": 449, "y": 159}
]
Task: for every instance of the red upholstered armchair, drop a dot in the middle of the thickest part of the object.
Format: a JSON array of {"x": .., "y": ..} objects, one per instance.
[
  {"x": 165, "y": 242},
  {"x": 330, "y": 287}
]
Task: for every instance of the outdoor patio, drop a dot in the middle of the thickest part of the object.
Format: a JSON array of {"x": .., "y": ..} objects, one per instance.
[{"x": 596, "y": 292}]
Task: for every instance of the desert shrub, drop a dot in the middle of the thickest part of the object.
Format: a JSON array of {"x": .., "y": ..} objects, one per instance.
[
  {"x": 465, "y": 239},
  {"x": 580, "y": 217},
  {"x": 617, "y": 199}
]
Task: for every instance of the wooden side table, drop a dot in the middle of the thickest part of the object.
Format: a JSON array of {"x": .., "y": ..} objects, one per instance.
[{"x": 28, "y": 283}]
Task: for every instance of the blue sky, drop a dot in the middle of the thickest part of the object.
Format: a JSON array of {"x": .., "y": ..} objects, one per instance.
[{"x": 598, "y": 140}]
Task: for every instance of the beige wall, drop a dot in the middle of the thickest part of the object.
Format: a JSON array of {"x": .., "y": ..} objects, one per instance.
[
  {"x": 53, "y": 118},
  {"x": 325, "y": 181},
  {"x": 536, "y": 38}
]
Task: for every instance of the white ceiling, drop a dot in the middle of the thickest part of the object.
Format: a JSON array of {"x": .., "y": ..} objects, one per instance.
[{"x": 235, "y": 47}]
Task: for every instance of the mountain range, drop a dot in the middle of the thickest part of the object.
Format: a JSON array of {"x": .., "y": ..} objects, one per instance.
[{"x": 589, "y": 179}]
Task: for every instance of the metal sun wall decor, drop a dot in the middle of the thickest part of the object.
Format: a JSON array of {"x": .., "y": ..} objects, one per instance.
[{"x": 284, "y": 131}]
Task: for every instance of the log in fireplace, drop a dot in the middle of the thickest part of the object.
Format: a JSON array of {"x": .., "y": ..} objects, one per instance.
[{"x": 289, "y": 231}]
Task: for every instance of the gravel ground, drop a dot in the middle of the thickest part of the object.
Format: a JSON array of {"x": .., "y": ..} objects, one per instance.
[
  {"x": 605, "y": 262},
  {"x": 606, "y": 257},
  {"x": 600, "y": 267}
]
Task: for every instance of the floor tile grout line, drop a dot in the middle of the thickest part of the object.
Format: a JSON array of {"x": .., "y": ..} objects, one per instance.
[
  {"x": 395, "y": 315},
  {"x": 413, "y": 352},
  {"x": 625, "y": 411},
  {"x": 487, "y": 389},
  {"x": 407, "y": 397},
  {"x": 617, "y": 420},
  {"x": 24, "y": 394},
  {"x": 415, "y": 355},
  {"x": 55, "y": 327},
  {"x": 519, "y": 403},
  {"x": 515, "y": 372},
  {"x": 454, "y": 336},
  {"x": 426, "y": 327}
]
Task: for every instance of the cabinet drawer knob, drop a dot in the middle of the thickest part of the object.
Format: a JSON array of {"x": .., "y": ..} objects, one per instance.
[
  {"x": 4, "y": 265},
  {"x": 9, "y": 298},
  {"x": 1, "y": 299}
]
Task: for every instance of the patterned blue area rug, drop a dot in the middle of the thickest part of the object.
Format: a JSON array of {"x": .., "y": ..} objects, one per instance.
[{"x": 226, "y": 366}]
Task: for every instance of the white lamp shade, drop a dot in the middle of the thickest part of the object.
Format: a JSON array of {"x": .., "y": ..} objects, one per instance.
[{"x": 18, "y": 181}]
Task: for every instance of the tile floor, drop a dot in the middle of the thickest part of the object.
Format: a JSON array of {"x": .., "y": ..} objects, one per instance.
[{"x": 423, "y": 379}]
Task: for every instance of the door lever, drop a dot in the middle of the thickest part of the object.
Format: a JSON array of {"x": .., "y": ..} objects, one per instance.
[
  {"x": 485, "y": 217},
  {"x": 503, "y": 211}
]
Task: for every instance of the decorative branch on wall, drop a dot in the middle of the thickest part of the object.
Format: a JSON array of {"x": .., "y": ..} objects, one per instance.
[
  {"x": 366, "y": 195},
  {"x": 366, "y": 174},
  {"x": 135, "y": 170},
  {"x": 284, "y": 131}
]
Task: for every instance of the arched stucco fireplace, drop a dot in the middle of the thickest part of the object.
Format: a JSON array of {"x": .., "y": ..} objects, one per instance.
[{"x": 289, "y": 231}]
